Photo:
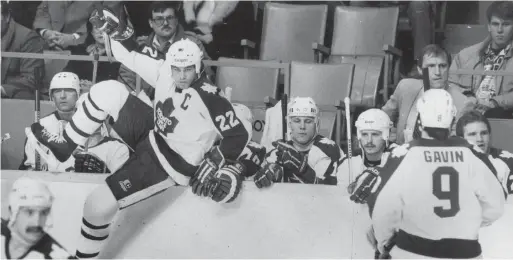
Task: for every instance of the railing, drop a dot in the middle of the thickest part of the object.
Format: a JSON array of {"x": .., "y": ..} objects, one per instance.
[{"x": 227, "y": 63}]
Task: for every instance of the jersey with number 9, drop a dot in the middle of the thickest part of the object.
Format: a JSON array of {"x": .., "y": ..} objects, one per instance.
[{"x": 437, "y": 189}]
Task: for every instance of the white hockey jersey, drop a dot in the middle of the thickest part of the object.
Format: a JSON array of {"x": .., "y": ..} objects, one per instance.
[
  {"x": 503, "y": 162},
  {"x": 113, "y": 152},
  {"x": 432, "y": 190},
  {"x": 187, "y": 121},
  {"x": 358, "y": 165}
]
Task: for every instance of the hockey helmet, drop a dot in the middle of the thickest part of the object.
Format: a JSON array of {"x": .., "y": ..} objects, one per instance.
[
  {"x": 65, "y": 80},
  {"x": 303, "y": 106},
  {"x": 374, "y": 119},
  {"x": 27, "y": 192},
  {"x": 185, "y": 53},
  {"x": 436, "y": 109}
]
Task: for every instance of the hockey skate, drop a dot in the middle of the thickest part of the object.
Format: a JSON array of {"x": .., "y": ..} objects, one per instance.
[{"x": 61, "y": 146}]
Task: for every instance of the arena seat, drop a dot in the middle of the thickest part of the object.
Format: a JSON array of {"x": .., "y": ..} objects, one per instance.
[
  {"x": 250, "y": 86},
  {"x": 365, "y": 36},
  {"x": 289, "y": 31},
  {"x": 16, "y": 115},
  {"x": 328, "y": 85},
  {"x": 460, "y": 36}
]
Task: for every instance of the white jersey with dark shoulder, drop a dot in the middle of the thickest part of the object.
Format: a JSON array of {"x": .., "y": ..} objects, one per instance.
[
  {"x": 187, "y": 121},
  {"x": 434, "y": 197}
]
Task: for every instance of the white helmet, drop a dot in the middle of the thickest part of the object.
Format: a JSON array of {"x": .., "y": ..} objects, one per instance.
[
  {"x": 245, "y": 115},
  {"x": 65, "y": 80},
  {"x": 436, "y": 109},
  {"x": 27, "y": 192},
  {"x": 303, "y": 106},
  {"x": 374, "y": 119},
  {"x": 184, "y": 53}
]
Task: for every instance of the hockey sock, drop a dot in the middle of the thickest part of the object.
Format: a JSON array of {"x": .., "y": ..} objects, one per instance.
[
  {"x": 92, "y": 239},
  {"x": 104, "y": 99}
]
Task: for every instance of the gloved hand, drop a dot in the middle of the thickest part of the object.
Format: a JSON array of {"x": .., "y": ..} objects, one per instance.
[
  {"x": 213, "y": 161},
  {"x": 89, "y": 163},
  {"x": 365, "y": 184},
  {"x": 268, "y": 174},
  {"x": 226, "y": 184},
  {"x": 290, "y": 158},
  {"x": 106, "y": 22}
]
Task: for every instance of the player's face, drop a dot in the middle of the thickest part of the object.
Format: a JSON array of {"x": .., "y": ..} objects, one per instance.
[
  {"x": 372, "y": 141},
  {"x": 30, "y": 221},
  {"x": 477, "y": 133},
  {"x": 183, "y": 77},
  {"x": 302, "y": 129},
  {"x": 501, "y": 31},
  {"x": 65, "y": 99},
  {"x": 438, "y": 70},
  {"x": 164, "y": 23}
]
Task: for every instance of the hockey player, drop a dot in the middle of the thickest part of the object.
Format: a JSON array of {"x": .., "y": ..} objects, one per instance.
[
  {"x": 434, "y": 193},
  {"x": 175, "y": 139},
  {"x": 23, "y": 234},
  {"x": 308, "y": 158},
  {"x": 475, "y": 128},
  {"x": 109, "y": 153},
  {"x": 373, "y": 131}
]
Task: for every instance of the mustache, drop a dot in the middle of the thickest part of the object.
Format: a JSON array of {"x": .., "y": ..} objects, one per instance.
[
  {"x": 36, "y": 229},
  {"x": 369, "y": 146}
]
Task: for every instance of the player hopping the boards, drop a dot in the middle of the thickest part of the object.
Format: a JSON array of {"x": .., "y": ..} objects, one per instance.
[
  {"x": 175, "y": 139},
  {"x": 435, "y": 193}
]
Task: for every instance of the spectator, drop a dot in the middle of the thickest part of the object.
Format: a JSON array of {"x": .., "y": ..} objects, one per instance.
[
  {"x": 63, "y": 23},
  {"x": 64, "y": 91},
  {"x": 475, "y": 128},
  {"x": 23, "y": 234},
  {"x": 221, "y": 25},
  {"x": 94, "y": 44},
  {"x": 308, "y": 157},
  {"x": 494, "y": 53},
  {"x": 18, "y": 77},
  {"x": 401, "y": 106},
  {"x": 166, "y": 31}
]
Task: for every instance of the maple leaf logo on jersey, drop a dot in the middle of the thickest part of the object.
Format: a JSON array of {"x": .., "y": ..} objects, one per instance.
[
  {"x": 164, "y": 122},
  {"x": 400, "y": 151},
  {"x": 506, "y": 155},
  {"x": 209, "y": 88},
  {"x": 326, "y": 141}
]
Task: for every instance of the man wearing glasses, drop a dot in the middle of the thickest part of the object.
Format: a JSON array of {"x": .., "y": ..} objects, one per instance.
[{"x": 166, "y": 31}]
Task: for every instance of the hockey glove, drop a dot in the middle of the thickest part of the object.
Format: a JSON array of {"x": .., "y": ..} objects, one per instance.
[
  {"x": 89, "y": 163},
  {"x": 290, "y": 158},
  {"x": 213, "y": 161},
  {"x": 226, "y": 184},
  {"x": 365, "y": 184},
  {"x": 105, "y": 21},
  {"x": 268, "y": 174}
]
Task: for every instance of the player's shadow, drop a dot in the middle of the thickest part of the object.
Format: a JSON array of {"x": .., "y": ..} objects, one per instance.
[{"x": 133, "y": 219}]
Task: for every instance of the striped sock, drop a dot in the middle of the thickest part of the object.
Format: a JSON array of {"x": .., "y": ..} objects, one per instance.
[
  {"x": 91, "y": 240},
  {"x": 85, "y": 121}
]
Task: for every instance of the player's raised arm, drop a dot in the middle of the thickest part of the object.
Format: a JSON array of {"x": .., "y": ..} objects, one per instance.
[{"x": 124, "y": 46}]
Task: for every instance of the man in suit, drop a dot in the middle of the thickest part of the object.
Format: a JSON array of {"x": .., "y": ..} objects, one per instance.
[
  {"x": 63, "y": 23},
  {"x": 18, "y": 77},
  {"x": 401, "y": 106}
]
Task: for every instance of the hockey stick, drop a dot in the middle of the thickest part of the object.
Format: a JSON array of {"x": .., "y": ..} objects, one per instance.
[
  {"x": 347, "y": 103},
  {"x": 38, "y": 74},
  {"x": 425, "y": 79},
  {"x": 284, "y": 100}
]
